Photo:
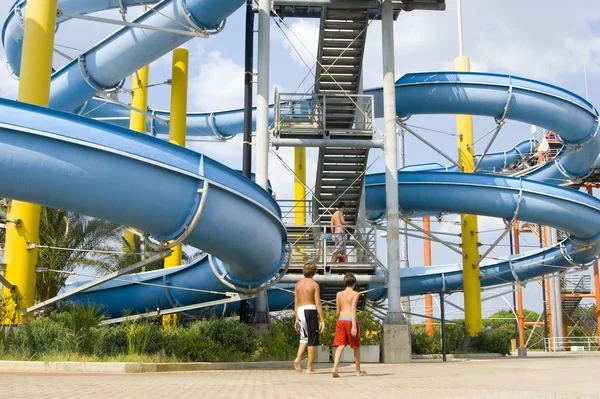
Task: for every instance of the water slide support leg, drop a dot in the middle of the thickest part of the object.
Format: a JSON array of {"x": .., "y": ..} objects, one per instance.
[
  {"x": 427, "y": 262},
  {"x": 521, "y": 350},
  {"x": 395, "y": 343},
  {"x": 590, "y": 191},
  {"x": 34, "y": 88},
  {"x": 177, "y": 129},
  {"x": 261, "y": 311},
  {"x": 247, "y": 146},
  {"x": 466, "y": 159},
  {"x": 137, "y": 122}
]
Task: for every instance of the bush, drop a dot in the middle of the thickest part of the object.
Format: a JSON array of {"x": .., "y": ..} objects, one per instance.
[
  {"x": 111, "y": 341},
  {"x": 189, "y": 345},
  {"x": 492, "y": 341},
  {"x": 41, "y": 336},
  {"x": 281, "y": 342},
  {"x": 423, "y": 344},
  {"x": 233, "y": 335}
]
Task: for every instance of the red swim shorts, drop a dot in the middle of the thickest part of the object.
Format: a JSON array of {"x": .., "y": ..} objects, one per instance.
[{"x": 343, "y": 334}]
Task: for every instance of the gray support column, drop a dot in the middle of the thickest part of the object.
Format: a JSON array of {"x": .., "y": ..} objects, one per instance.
[
  {"x": 391, "y": 164},
  {"x": 403, "y": 226},
  {"x": 395, "y": 346},
  {"x": 261, "y": 312}
]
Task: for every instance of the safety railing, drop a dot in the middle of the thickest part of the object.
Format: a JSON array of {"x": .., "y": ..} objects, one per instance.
[
  {"x": 576, "y": 284},
  {"x": 295, "y": 212},
  {"x": 573, "y": 344},
  {"x": 320, "y": 115},
  {"x": 317, "y": 243}
]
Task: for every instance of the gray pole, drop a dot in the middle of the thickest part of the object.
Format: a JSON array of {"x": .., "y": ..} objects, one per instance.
[
  {"x": 261, "y": 313},
  {"x": 262, "y": 103},
  {"x": 391, "y": 164},
  {"x": 403, "y": 226}
]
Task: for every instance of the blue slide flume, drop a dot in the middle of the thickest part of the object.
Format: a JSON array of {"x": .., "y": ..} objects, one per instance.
[{"x": 71, "y": 162}]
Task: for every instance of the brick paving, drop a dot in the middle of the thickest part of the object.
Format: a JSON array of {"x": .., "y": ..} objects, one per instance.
[{"x": 560, "y": 378}]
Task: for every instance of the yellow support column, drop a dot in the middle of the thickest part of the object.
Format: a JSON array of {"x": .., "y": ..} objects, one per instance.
[
  {"x": 177, "y": 129},
  {"x": 300, "y": 186},
  {"x": 34, "y": 88},
  {"x": 466, "y": 159},
  {"x": 137, "y": 122}
]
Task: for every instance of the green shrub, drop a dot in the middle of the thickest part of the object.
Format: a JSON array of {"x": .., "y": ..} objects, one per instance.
[
  {"x": 138, "y": 337},
  {"x": 423, "y": 344},
  {"x": 232, "y": 335},
  {"x": 111, "y": 341},
  {"x": 41, "y": 336},
  {"x": 492, "y": 341},
  {"x": 281, "y": 342},
  {"x": 189, "y": 345}
]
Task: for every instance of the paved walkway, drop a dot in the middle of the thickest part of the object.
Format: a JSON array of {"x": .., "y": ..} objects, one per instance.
[{"x": 560, "y": 377}]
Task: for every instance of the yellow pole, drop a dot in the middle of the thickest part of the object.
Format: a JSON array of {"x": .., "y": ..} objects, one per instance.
[
  {"x": 177, "y": 129},
  {"x": 466, "y": 159},
  {"x": 34, "y": 88},
  {"x": 300, "y": 186},
  {"x": 137, "y": 122}
]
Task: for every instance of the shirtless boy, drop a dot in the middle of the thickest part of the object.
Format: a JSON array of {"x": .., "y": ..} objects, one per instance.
[
  {"x": 338, "y": 233},
  {"x": 347, "y": 330},
  {"x": 307, "y": 303}
]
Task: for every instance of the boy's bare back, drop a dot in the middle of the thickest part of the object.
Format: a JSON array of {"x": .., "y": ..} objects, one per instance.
[
  {"x": 306, "y": 292},
  {"x": 346, "y": 302}
]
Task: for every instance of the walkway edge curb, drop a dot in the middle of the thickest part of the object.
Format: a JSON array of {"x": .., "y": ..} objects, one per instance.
[{"x": 132, "y": 368}]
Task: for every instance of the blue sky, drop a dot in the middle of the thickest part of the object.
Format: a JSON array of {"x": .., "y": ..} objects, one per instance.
[{"x": 537, "y": 39}]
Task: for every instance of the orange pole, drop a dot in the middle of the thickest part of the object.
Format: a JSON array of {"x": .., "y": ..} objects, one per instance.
[
  {"x": 548, "y": 297},
  {"x": 519, "y": 293},
  {"x": 590, "y": 191},
  {"x": 427, "y": 262}
]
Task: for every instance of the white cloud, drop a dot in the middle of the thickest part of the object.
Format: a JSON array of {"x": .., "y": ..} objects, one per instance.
[
  {"x": 529, "y": 39},
  {"x": 301, "y": 42},
  {"x": 218, "y": 85}
]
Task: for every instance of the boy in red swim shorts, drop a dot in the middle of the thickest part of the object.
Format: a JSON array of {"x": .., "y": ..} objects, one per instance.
[{"x": 347, "y": 330}]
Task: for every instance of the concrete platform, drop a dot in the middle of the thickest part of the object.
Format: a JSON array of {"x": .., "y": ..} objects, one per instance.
[{"x": 559, "y": 377}]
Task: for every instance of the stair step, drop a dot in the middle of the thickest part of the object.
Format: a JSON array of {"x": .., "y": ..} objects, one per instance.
[
  {"x": 338, "y": 159},
  {"x": 343, "y": 167},
  {"x": 327, "y": 52},
  {"x": 345, "y": 151},
  {"x": 331, "y": 175},
  {"x": 335, "y": 69},
  {"x": 335, "y": 61},
  {"x": 355, "y": 26},
  {"x": 343, "y": 43},
  {"x": 345, "y": 14},
  {"x": 340, "y": 190},
  {"x": 331, "y": 33},
  {"x": 331, "y": 78}
]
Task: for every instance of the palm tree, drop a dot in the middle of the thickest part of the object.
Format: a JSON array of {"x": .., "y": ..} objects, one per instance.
[{"x": 69, "y": 240}]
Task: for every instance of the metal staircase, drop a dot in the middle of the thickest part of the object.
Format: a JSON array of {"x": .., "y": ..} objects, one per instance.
[
  {"x": 572, "y": 287},
  {"x": 342, "y": 40}
]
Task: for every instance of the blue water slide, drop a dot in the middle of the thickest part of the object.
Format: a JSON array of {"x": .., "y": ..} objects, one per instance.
[
  {"x": 224, "y": 123},
  {"x": 58, "y": 153},
  {"x": 12, "y": 30},
  {"x": 67, "y": 161},
  {"x": 98, "y": 69},
  {"x": 497, "y": 196}
]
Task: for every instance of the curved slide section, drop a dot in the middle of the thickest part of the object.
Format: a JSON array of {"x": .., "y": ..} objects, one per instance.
[
  {"x": 66, "y": 161},
  {"x": 574, "y": 119},
  {"x": 12, "y": 30},
  {"x": 224, "y": 123}
]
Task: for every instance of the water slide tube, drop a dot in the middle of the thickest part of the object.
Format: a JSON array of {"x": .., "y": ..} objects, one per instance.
[{"x": 584, "y": 251}]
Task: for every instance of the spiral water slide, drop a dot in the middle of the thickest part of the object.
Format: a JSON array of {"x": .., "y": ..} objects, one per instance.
[{"x": 72, "y": 162}]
